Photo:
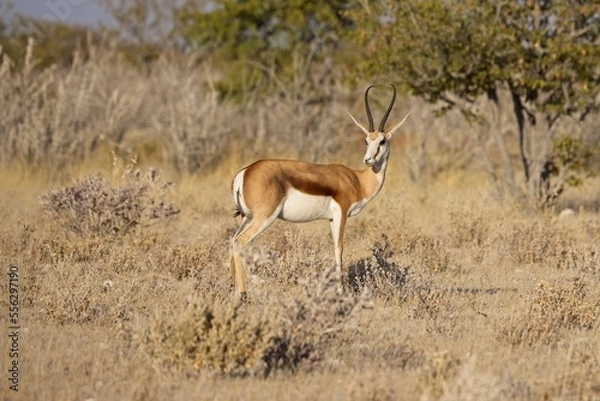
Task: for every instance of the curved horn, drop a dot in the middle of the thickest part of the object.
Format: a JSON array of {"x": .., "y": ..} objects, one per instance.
[
  {"x": 388, "y": 110},
  {"x": 369, "y": 115}
]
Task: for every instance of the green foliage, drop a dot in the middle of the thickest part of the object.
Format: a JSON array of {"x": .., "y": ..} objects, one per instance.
[
  {"x": 572, "y": 156},
  {"x": 545, "y": 51},
  {"x": 263, "y": 29},
  {"x": 557, "y": 46},
  {"x": 60, "y": 43},
  {"x": 433, "y": 47},
  {"x": 56, "y": 43},
  {"x": 243, "y": 35}
]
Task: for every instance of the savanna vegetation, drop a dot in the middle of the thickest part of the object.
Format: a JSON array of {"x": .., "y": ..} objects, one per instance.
[{"x": 475, "y": 273}]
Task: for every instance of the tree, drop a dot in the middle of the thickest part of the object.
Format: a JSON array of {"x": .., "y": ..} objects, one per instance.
[
  {"x": 56, "y": 42},
  {"x": 265, "y": 33},
  {"x": 249, "y": 28},
  {"x": 274, "y": 52},
  {"x": 466, "y": 54},
  {"x": 145, "y": 27}
]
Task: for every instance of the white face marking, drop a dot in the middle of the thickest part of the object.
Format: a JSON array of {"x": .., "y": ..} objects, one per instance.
[
  {"x": 377, "y": 148},
  {"x": 301, "y": 207}
]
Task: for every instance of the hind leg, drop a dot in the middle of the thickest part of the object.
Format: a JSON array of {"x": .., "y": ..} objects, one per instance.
[
  {"x": 242, "y": 227},
  {"x": 254, "y": 227}
]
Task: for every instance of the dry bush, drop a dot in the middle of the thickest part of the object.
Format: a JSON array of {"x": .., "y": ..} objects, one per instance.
[
  {"x": 439, "y": 369},
  {"x": 434, "y": 144},
  {"x": 582, "y": 257},
  {"x": 198, "y": 127},
  {"x": 422, "y": 251},
  {"x": 92, "y": 208},
  {"x": 73, "y": 305},
  {"x": 285, "y": 260},
  {"x": 171, "y": 111},
  {"x": 556, "y": 307},
  {"x": 229, "y": 339},
  {"x": 240, "y": 339},
  {"x": 260, "y": 259},
  {"x": 468, "y": 229},
  {"x": 441, "y": 309},
  {"x": 378, "y": 272},
  {"x": 130, "y": 301},
  {"x": 580, "y": 374},
  {"x": 116, "y": 280},
  {"x": 540, "y": 242},
  {"x": 58, "y": 116},
  {"x": 472, "y": 383},
  {"x": 188, "y": 261},
  {"x": 100, "y": 297},
  {"x": 428, "y": 302},
  {"x": 302, "y": 107}
]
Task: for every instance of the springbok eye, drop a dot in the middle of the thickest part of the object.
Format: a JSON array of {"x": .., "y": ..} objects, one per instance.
[{"x": 382, "y": 142}]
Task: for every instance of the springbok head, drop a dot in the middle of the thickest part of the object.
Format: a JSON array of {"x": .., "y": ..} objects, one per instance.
[{"x": 378, "y": 148}]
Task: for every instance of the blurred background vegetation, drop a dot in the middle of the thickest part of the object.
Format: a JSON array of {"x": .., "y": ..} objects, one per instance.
[{"x": 509, "y": 88}]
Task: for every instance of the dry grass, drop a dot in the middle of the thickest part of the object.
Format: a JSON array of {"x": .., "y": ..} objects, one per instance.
[{"x": 510, "y": 314}]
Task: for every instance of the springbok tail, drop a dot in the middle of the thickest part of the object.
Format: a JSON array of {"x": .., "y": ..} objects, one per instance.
[{"x": 237, "y": 195}]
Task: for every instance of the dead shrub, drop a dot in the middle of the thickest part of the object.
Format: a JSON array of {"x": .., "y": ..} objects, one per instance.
[
  {"x": 538, "y": 243},
  {"x": 428, "y": 301},
  {"x": 230, "y": 339},
  {"x": 423, "y": 251},
  {"x": 582, "y": 257},
  {"x": 437, "y": 307},
  {"x": 439, "y": 369},
  {"x": 468, "y": 229},
  {"x": 312, "y": 319},
  {"x": 378, "y": 272},
  {"x": 286, "y": 247},
  {"x": 92, "y": 208},
  {"x": 198, "y": 126},
  {"x": 76, "y": 308},
  {"x": 252, "y": 340},
  {"x": 60, "y": 115},
  {"x": 580, "y": 376},
  {"x": 185, "y": 261},
  {"x": 555, "y": 308},
  {"x": 65, "y": 304}
]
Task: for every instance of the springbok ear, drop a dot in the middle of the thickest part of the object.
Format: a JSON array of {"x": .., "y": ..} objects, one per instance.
[
  {"x": 362, "y": 127},
  {"x": 389, "y": 132}
]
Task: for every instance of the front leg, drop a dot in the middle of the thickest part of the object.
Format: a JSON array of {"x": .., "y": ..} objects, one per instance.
[{"x": 337, "y": 224}]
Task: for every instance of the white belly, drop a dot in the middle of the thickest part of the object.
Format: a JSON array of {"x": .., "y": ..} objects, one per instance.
[{"x": 301, "y": 207}]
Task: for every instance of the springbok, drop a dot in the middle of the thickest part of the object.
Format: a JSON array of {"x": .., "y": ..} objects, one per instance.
[{"x": 298, "y": 191}]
